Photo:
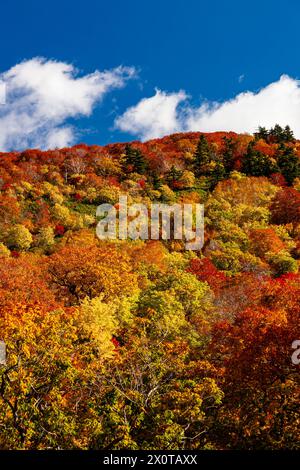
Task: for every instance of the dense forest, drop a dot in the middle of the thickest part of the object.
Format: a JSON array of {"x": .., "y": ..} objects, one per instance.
[{"x": 128, "y": 344}]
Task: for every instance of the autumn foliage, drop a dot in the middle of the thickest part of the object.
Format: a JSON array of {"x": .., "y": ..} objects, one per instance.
[{"x": 127, "y": 344}]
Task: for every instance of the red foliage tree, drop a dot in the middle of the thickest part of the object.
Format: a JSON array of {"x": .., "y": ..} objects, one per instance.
[
  {"x": 205, "y": 270},
  {"x": 285, "y": 207}
]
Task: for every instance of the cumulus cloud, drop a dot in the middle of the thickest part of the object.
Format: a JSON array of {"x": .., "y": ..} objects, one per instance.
[
  {"x": 153, "y": 117},
  {"x": 163, "y": 113},
  {"x": 42, "y": 94}
]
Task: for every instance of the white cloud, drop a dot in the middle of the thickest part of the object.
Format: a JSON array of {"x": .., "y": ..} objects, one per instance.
[
  {"x": 153, "y": 117},
  {"x": 161, "y": 114},
  {"x": 42, "y": 94},
  {"x": 59, "y": 137}
]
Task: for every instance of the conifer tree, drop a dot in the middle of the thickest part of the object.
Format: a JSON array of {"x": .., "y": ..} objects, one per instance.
[
  {"x": 288, "y": 134},
  {"x": 134, "y": 161},
  {"x": 173, "y": 176},
  {"x": 202, "y": 156},
  {"x": 277, "y": 132},
  {"x": 155, "y": 180},
  {"x": 288, "y": 162},
  {"x": 262, "y": 133},
  {"x": 255, "y": 163},
  {"x": 218, "y": 173},
  {"x": 228, "y": 154}
]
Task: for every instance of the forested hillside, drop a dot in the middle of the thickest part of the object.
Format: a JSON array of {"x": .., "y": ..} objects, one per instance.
[{"x": 143, "y": 344}]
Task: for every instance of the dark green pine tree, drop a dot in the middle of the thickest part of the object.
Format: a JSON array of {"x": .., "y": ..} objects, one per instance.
[
  {"x": 228, "y": 154},
  {"x": 173, "y": 176},
  {"x": 281, "y": 134},
  {"x": 255, "y": 163},
  {"x": 288, "y": 134},
  {"x": 155, "y": 180},
  {"x": 277, "y": 132},
  {"x": 134, "y": 161},
  {"x": 202, "y": 156},
  {"x": 218, "y": 174},
  {"x": 288, "y": 163},
  {"x": 262, "y": 133}
]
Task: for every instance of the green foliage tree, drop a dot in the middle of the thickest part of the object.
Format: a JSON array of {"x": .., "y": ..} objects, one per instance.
[
  {"x": 282, "y": 263},
  {"x": 281, "y": 134},
  {"x": 275, "y": 134},
  {"x": 262, "y": 133},
  {"x": 228, "y": 154},
  {"x": 202, "y": 156},
  {"x": 217, "y": 174},
  {"x": 155, "y": 180},
  {"x": 173, "y": 176},
  {"x": 288, "y": 162},
  {"x": 255, "y": 163},
  {"x": 134, "y": 161},
  {"x": 20, "y": 237}
]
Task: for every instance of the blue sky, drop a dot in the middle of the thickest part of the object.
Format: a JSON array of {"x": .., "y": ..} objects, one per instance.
[{"x": 210, "y": 51}]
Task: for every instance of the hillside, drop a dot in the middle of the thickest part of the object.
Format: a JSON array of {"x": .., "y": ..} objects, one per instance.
[{"x": 143, "y": 344}]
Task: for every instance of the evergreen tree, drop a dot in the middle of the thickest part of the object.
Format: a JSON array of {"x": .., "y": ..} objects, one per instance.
[
  {"x": 155, "y": 180},
  {"x": 277, "y": 133},
  {"x": 288, "y": 162},
  {"x": 173, "y": 176},
  {"x": 228, "y": 154},
  {"x": 255, "y": 163},
  {"x": 288, "y": 134},
  {"x": 262, "y": 133},
  {"x": 281, "y": 135},
  {"x": 217, "y": 174},
  {"x": 202, "y": 156},
  {"x": 134, "y": 161}
]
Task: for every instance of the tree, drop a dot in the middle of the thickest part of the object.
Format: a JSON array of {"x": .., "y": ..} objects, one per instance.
[
  {"x": 280, "y": 134},
  {"x": 156, "y": 396},
  {"x": 263, "y": 241},
  {"x": 288, "y": 163},
  {"x": 262, "y": 133},
  {"x": 19, "y": 237},
  {"x": 46, "y": 237},
  {"x": 202, "y": 156},
  {"x": 24, "y": 280},
  {"x": 282, "y": 263},
  {"x": 276, "y": 134},
  {"x": 173, "y": 177},
  {"x": 4, "y": 251},
  {"x": 255, "y": 163},
  {"x": 38, "y": 375},
  {"x": 134, "y": 161},
  {"x": 159, "y": 390},
  {"x": 78, "y": 271},
  {"x": 228, "y": 154},
  {"x": 205, "y": 271},
  {"x": 52, "y": 359},
  {"x": 258, "y": 378},
  {"x": 217, "y": 173},
  {"x": 285, "y": 207},
  {"x": 155, "y": 180},
  {"x": 288, "y": 134}
]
